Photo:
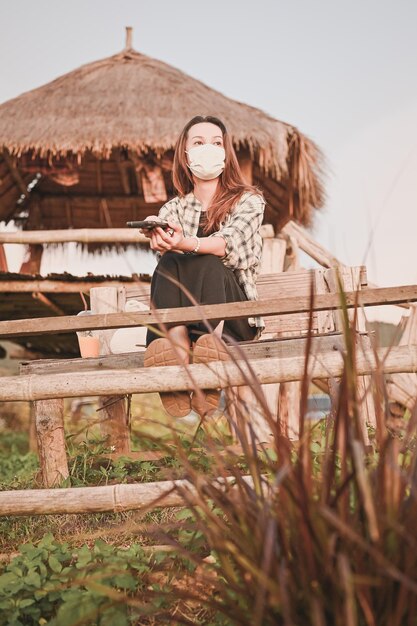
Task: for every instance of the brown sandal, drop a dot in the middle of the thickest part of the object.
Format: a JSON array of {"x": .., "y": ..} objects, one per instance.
[
  {"x": 161, "y": 352},
  {"x": 208, "y": 348}
]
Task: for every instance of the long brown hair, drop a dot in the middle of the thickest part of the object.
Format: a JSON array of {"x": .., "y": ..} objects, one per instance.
[{"x": 231, "y": 184}]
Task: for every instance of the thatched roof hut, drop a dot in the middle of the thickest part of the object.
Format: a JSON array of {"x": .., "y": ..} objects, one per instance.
[{"x": 95, "y": 146}]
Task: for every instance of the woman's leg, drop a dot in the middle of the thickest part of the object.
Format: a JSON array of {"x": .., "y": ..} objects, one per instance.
[{"x": 178, "y": 335}]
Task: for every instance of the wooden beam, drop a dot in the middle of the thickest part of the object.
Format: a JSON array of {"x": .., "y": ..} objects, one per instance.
[
  {"x": 123, "y": 166},
  {"x": 246, "y": 167},
  {"x": 219, "y": 375},
  {"x": 267, "y": 307},
  {"x": 33, "y": 259},
  {"x": 137, "y": 164},
  {"x": 3, "y": 260},
  {"x": 17, "y": 177},
  {"x": 68, "y": 212},
  {"x": 47, "y": 302},
  {"x": 57, "y": 286},
  {"x": 121, "y": 497},
  {"x": 310, "y": 246},
  {"x": 105, "y": 214},
  {"x": 99, "y": 177}
]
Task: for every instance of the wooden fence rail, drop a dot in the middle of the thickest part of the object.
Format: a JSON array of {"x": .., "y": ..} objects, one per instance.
[
  {"x": 77, "y": 235},
  {"x": 267, "y": 307},
  {"x": 114, "y": 498},
  {"x": 89, "y": 235},
  {"x": 203, "y": 376}
]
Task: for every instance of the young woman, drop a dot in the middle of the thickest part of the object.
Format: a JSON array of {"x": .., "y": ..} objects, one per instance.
[{"x": 212, "y": 251}]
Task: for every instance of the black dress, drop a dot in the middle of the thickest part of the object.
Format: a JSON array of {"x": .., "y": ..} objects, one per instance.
[{"x": 207, "y": 280}]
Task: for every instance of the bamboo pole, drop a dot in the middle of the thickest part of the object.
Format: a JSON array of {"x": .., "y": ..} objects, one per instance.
[
  {"x": 87, "y": 235},
  {"x": 218, "y": 374},
  {"x": 267, "y": 307},
  {"x": 114, "y": 498},
  {"x": 77, "y": 235}
]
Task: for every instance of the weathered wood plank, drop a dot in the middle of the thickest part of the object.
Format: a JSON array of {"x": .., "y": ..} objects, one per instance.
[
  {"x": 219, "y": 374},
  {"x": 270, "y": 348},
  {"x": 270, "y": 306}
]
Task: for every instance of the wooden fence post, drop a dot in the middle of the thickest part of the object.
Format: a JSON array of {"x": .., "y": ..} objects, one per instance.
[
  {"x": 402, "y": 388},
  {"x": 273, "y": 258},
  {"x": 351, "y": 279},
  {"x": 47, "y": 436},
  {"x": 49, "y": 418},
  {"x": 33, "y": 440},
  {"x": 290, "y": 393},
  {"x": 112, "y": 410}
]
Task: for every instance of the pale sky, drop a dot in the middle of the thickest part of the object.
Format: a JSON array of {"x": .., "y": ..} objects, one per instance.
[{"x": 344, "y": 72}]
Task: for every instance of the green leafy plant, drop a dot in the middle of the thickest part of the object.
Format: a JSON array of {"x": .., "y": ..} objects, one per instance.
[{"x": 55, "y": 584}]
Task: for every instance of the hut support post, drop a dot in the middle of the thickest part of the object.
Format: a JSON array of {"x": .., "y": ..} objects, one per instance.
[
  {"x": 246, "y": 167},
  {"x": 113, "y": 416},
  {"x": 32, "y": 261},
  {"x": 49, "y": 420},
  {"x": 3, "y": 259}
]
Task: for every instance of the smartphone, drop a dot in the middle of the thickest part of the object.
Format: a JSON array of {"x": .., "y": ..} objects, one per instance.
[{"x": 147, "y": 224}]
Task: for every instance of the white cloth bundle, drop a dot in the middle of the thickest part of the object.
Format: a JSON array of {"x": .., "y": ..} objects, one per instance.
[{"x": 130, "y": 339}]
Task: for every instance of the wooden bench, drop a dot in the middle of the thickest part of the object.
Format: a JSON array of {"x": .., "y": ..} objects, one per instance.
[{"x": 284, "y": 336}]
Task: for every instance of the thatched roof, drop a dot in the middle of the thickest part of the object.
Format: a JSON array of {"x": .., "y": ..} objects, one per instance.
[{"x": 132, "y": 102}]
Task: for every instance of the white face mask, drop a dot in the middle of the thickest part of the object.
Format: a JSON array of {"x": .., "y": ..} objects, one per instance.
[{"x": 206, "y": 161}]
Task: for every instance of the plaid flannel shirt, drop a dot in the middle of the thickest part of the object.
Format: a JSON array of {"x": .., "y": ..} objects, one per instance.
[{"x": 240, "y": 230}]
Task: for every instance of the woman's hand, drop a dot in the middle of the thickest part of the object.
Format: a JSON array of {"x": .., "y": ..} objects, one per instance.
[
  {"x": 164, "y": 240},
  {"x": 146, "y": 231}
]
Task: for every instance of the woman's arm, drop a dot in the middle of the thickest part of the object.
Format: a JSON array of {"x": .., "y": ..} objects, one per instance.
[
  {"x": 163, "y": 241},
  {"x": 234, "y": 244},
  {"x": 243, "y": 244}
]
